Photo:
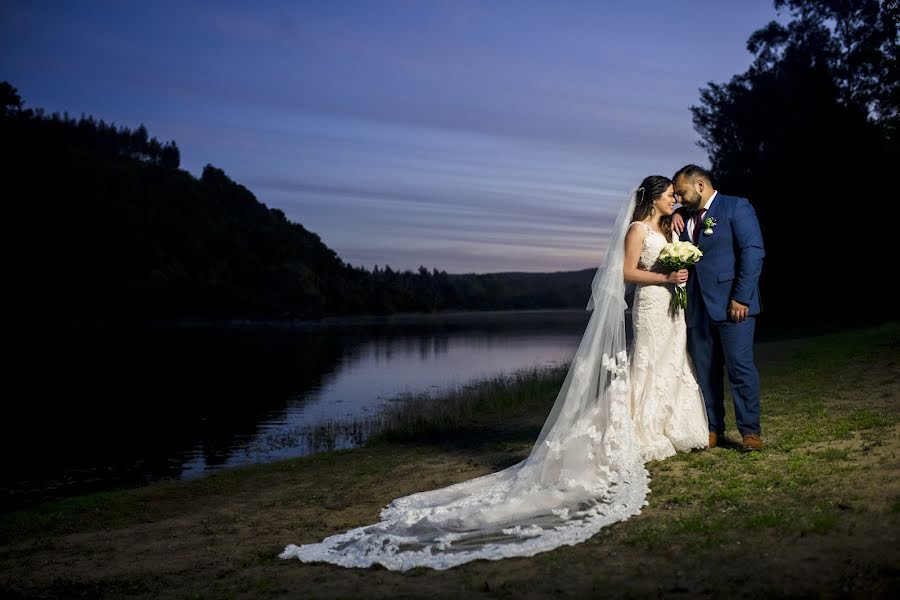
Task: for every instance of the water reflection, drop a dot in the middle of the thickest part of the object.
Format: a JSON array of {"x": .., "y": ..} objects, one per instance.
[{"x": 95, "y": 410}]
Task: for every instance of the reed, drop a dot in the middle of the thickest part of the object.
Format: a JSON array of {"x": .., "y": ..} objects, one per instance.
[{"x": 422, "y": 415}]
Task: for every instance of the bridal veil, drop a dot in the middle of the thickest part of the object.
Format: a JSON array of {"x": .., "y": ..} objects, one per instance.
[{"x": 583, "y": 473}]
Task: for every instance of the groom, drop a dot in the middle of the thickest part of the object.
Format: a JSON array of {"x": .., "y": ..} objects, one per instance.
[{"x": 723, "y": 300}]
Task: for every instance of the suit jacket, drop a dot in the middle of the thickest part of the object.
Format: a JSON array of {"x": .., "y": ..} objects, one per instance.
[{"x": 732, "y": 260}]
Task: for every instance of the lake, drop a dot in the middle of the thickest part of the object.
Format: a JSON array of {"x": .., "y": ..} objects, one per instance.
[{"x": 96, "y": 410}]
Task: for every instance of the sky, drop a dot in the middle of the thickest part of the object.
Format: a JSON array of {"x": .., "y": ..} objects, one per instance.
[{"x": 467, "y": 136}]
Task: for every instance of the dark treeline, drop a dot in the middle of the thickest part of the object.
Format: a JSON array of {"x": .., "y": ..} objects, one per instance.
[
  {"x": 809, "y": 133},
  {"x": 100, "y": 224},
  {"x": 394, "y": 291}
]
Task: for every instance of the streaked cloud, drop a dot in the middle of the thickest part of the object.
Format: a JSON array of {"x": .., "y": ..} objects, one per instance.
[{"x": 467, "y": 136}]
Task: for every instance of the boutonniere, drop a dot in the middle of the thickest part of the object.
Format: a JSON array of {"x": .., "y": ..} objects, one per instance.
[{"x": 708, "y": 224}]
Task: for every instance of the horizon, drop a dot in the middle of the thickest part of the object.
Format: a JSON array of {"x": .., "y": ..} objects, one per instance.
[{"x": 461, "y": 137}]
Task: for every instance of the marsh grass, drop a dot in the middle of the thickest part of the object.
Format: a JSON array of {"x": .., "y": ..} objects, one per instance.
[
  {"x": 487, "y": 403},
  {"x": 415, "y": 416}
]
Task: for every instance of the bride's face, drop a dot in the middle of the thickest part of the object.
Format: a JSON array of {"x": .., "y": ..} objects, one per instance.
[{"x": 665, "y": 204}]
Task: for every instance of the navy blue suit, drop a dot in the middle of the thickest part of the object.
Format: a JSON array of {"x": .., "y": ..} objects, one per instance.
[{"x": 729, "y": 269}]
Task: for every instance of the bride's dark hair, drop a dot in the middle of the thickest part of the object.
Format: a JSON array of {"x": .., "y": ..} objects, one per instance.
[{"x": 648, "y": 192}]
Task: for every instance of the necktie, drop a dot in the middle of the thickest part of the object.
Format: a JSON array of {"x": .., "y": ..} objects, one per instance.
[{"x": 697, "y": 218}]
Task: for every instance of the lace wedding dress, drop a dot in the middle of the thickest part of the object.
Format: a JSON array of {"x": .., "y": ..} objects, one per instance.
[
  {"x": 666, "y": 403},
  {"x": 584, "y": 472}
]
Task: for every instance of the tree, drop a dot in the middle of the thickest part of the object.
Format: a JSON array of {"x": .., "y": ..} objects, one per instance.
[
  {"x": 808, "y": 132},
  {"x": 171, "y": 158},
  {"x": 10, "y": 101},
  {"x": 857, "y": 40}
]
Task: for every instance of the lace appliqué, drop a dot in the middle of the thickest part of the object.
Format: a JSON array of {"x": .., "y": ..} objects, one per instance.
[
  {"x": 666, "y": 402},
  {"x": 591, "y": 476}
]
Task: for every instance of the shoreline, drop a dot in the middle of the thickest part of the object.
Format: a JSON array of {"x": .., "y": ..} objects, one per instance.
[
  {"x": 404, "y": 417},
  {"x": 766, "y": 331},
  {"x": 455, "y": 316}
]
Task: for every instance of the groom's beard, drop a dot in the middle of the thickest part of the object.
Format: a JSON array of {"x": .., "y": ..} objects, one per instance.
[{"x": 696, "y": 203}]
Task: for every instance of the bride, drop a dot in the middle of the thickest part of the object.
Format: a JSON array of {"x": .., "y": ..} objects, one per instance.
[
  {"x": 666, "y": 404},
  {"x": 614, "y": 411}
]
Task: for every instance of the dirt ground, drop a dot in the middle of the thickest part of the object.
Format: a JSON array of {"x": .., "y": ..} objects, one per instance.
[{"x": 814, "y": 515}]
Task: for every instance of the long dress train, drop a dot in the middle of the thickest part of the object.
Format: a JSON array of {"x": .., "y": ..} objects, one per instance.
[{"x": 584, "y": 472}]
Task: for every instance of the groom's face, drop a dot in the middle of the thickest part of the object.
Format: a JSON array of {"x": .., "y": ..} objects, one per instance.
[{"x": 687, "y": 193}]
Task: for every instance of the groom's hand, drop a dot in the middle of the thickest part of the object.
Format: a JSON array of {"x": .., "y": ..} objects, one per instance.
[{"x": 737, "y": 311}]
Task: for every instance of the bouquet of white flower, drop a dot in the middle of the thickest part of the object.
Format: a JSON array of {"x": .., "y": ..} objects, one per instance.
[{"x": 676, "y": 256}]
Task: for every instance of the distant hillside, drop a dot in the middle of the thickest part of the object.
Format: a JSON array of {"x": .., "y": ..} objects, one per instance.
[
  {"x": 102, "y": 224},
  {"x": 488, "y": 291}
]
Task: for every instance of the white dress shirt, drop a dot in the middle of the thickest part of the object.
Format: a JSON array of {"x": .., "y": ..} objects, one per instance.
[{"x": 690, "y": 222}]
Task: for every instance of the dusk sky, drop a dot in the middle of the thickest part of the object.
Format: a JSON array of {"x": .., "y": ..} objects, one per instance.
[{"x": 467, "y": 136}]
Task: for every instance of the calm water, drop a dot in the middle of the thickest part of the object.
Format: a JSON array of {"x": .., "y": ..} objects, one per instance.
[{"x": 93, "y": 411}]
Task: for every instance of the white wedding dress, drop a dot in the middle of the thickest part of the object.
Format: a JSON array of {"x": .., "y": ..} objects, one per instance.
[
  {"x": 585, "y": 471},
  {"x": 666, "y": 403}
]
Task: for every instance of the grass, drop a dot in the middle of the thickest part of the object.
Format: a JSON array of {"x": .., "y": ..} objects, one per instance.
[
  {"x": 813, "y": 515},
  {"x": 487, "y": 403},
  {"x": 818, "y": 435},
  {"x": 415, "y": 416}
]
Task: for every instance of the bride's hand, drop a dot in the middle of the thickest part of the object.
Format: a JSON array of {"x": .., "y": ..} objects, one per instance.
[
  {"x": 677, "y": 223},
  {"x": 678, "y": 277}
]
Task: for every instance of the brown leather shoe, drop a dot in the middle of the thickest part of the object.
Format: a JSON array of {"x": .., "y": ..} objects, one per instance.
[
  {"x": 752, "y": 442},
  {"x": 713, "y": 439}
]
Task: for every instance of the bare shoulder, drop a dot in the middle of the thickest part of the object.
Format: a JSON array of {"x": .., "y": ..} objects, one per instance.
[{"x": 636, "y": 233}]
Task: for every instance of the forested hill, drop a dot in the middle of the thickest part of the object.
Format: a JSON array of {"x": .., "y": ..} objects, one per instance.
[{"x": 101, "y": 224}]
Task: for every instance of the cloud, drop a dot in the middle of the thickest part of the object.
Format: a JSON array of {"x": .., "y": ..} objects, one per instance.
[{"x": 399, "y": 131}]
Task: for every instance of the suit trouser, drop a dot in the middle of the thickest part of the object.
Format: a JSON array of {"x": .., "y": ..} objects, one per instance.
[{"x": 714, "y": 345}]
